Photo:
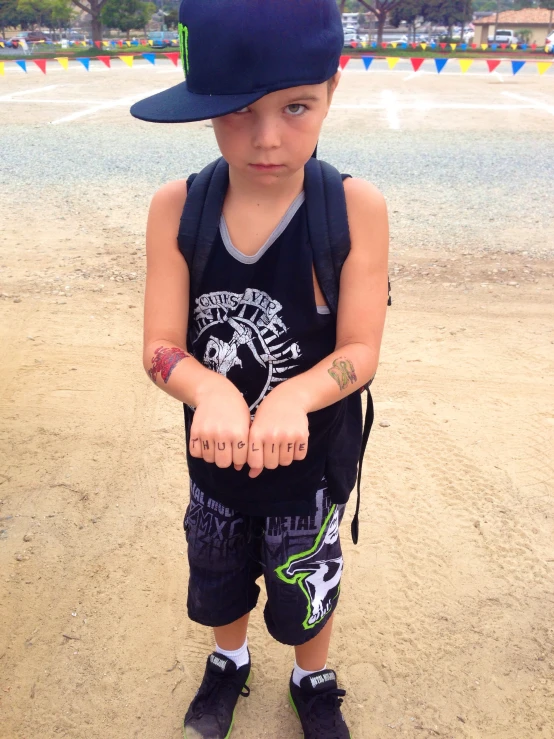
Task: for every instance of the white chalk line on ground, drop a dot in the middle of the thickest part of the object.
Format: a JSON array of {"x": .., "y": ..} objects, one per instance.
[
  {"x": 537, "y": 104},
  {"x": 11, "y": 95},
  {"x": 436, "y": 106},
  {"x": 129, "y": 99},
  {"x": 57, "y": 101}
]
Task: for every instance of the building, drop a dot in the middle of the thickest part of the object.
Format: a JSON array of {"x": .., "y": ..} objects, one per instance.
[{"x": 537, "y": 20}]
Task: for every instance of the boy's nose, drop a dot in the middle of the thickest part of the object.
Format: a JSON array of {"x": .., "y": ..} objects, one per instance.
[{"x": 267, "y": 135}]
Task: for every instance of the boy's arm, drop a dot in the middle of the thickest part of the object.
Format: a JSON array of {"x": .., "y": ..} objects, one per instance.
[
  {"x": 361, "y": 317},
  {"x": 221, "y": 422},
  {"x": 362, "y": 308}
]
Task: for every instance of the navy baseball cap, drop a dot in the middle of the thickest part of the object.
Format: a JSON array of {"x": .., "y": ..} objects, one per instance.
[{"x": 234, "y": 52}]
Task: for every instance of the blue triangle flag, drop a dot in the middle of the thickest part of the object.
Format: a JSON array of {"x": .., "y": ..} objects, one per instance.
[
  {"x": 433, "y": 45},
  {"x": 367, "y": 61},
  {"x": 85, "y": 62},
  {"x": 135, "y": 42},
  {"x": 524, "y": 47},
  {"x": 403, "y": 45},
  {"x": 374, "y": 44},
  {"x": 22, "y": 64},
  {"x": 463, "y": 47},
  {"x": 150, "y": 57},
  {"x": 516, "y": 66},
  {"x": 494, "y": 47},
  {"x": 440, "y": 64}
]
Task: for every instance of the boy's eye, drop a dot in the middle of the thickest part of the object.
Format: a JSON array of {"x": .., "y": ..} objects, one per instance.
[
  {"x": 296, "y": 114},
  {"x": 297, "y": 105}
]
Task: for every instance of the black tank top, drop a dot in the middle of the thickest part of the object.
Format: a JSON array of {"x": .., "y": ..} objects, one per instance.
[{"x": 256, "y": 322}]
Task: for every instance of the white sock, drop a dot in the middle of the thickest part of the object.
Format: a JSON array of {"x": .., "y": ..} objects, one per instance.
[
  {"x": 238, "y": 656},
  {"x": 298, "y": 673}
]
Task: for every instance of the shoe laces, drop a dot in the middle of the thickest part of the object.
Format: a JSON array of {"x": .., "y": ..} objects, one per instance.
[
  {"x": 323, "y": 709},
  {"x": 209, "y": 698}
]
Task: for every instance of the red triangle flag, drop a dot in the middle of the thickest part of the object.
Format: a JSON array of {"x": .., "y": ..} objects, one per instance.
[
  {"x": 120, "y": 43},
  {"x": 344, "y": 61},
  {"x": 492, "y": 64},
  {"x": 503, "y": 46},
  {"x": 533, "y": 46},
  {"x": 443, "y": 46},
  {"x": 414, "y": 46},
  {"x": 41, "y": 64},
  {"x": 173, "y": 55},
  {"x": 473, "y": 46},
  {"x": 416, "y": 63},
  {"x": 105, "y": 59},
  {"x": 384, "y": 45},
  {"x": 98, "y": 44}
]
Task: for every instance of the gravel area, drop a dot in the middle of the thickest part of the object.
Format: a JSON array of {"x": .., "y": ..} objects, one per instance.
[{"x": 489, "y": 191}]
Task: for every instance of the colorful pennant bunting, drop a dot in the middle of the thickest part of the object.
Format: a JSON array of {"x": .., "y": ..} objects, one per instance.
[
  {"x": 392, "y": 61},
  {"x": 128, "y": 59},
  {"x": 85, "y": 62},
  {"x": 440, "y": 64},
  {"x": 416, "y": 63},
  {"x": 367, "y": 61},
  {"x": 516, "y": 66},
  {"x": 465, "y": 64},
  {"x": 492, "y": 64},
  {"x": 543, "y": 66}
]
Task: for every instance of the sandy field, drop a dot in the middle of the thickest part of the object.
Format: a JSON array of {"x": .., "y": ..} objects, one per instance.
[{"x": 444, "y": 626}]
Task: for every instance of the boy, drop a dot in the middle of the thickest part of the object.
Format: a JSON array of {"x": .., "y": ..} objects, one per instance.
[{"x": 266, "y": 369}]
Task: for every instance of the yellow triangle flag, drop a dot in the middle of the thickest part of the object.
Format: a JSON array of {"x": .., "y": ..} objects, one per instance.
[
  {"x": 106, "y": 43},
  {"x": 2, "y": 44},
  {"x": 63, "y": 60},
  {"x": 484, "y": 46},
  {"x": 364, "y": 44},
  {"x": 1, "y": 69},
  {"x": 453, "y": 46},
  {"x": 465, "y": 64},
  {"x": 393, "y": 44},
  {"x": 543, "y": 66},
  {"x": 392, "y": 61},
  {"x": 128, "y": 59},
  {"x": 150, "y": 43},
  {"x": 514, "y": 46},
  {"x": 423, "y": 46}
]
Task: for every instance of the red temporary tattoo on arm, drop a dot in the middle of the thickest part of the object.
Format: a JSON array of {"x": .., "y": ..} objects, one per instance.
[{"x": 164, "y": 361}]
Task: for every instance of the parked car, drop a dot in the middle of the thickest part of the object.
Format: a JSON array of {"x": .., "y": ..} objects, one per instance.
[
  {"x": 163, "y": 39},
  {"x": 504, "y": 36},
  {"x": 31, "y": 37},
  {"x": 549, "y": 41}
]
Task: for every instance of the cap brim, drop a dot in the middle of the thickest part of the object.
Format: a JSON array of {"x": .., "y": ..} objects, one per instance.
[{"x": 178, "y": 105}]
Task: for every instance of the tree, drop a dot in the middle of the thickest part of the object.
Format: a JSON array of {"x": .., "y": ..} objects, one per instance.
[
  {"x": 50, "y": 13},
  {"x": 9, "y": 15},
  {"x": 127, "y": 14},
  {"x": 94, "y": 9},
  {"x": 549, "y": 5},
  {"x": 381, "y": 10},
  {"x": 446, "y": 12},
  {"x": 409, "y": 11},
  {"x": 172, "y": 18}
]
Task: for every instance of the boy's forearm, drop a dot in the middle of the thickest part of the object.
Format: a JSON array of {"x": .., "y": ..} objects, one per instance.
[
  {"x": 178, "y": 373},
  {"x": 334, "y": 378}
]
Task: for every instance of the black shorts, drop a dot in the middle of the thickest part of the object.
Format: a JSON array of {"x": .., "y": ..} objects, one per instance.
[{"x": 300, "y": 558}]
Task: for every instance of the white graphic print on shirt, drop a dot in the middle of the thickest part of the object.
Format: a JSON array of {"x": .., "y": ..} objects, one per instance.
[{"x": 247, "y": 322}]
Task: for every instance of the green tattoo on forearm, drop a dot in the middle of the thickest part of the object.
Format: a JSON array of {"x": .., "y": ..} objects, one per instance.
[{"x": 343, "y": 372}]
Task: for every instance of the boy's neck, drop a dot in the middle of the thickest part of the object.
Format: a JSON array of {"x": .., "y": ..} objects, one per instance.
[{"x": 248, "y": 189}]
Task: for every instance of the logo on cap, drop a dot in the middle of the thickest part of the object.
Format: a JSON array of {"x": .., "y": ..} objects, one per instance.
[{"x": 184, "y": 44}]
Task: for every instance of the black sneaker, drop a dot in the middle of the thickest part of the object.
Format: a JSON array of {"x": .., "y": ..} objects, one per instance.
[
  {"x": 212, "y": 711},
  {"x": 317, "y": 704}
]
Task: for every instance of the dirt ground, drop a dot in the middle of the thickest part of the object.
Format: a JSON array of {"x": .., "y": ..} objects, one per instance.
[{"x": 444, "y": 626}]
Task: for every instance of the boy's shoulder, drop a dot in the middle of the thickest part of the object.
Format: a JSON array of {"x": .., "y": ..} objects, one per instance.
[
  {"x": 170, "y": 196},
  {"x": 361, "y": 194}
]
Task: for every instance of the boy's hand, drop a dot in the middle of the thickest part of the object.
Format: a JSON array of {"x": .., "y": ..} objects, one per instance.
[
  {"x": 219, "y": 431},
  {"x": 279, "y": 432}
]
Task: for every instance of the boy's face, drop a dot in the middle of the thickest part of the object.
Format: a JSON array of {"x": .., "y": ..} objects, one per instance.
[{"x": 281, "y": 128}]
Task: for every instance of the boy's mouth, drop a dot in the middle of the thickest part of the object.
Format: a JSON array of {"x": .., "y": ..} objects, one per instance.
[{"x": 266, "y": 166}]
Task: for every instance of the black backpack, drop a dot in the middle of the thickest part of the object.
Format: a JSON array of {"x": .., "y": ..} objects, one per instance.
[{"x": 329, "y": 238}]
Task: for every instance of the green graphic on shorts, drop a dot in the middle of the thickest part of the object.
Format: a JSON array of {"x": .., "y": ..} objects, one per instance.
[
  {"x": 318, "y": 578},
  {"x": 184, "y": 46}
]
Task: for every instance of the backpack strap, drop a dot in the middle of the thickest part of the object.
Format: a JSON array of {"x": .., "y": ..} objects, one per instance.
[
  {"x": 200, "y": 218},
  {"x": 330, "y": 240}
]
